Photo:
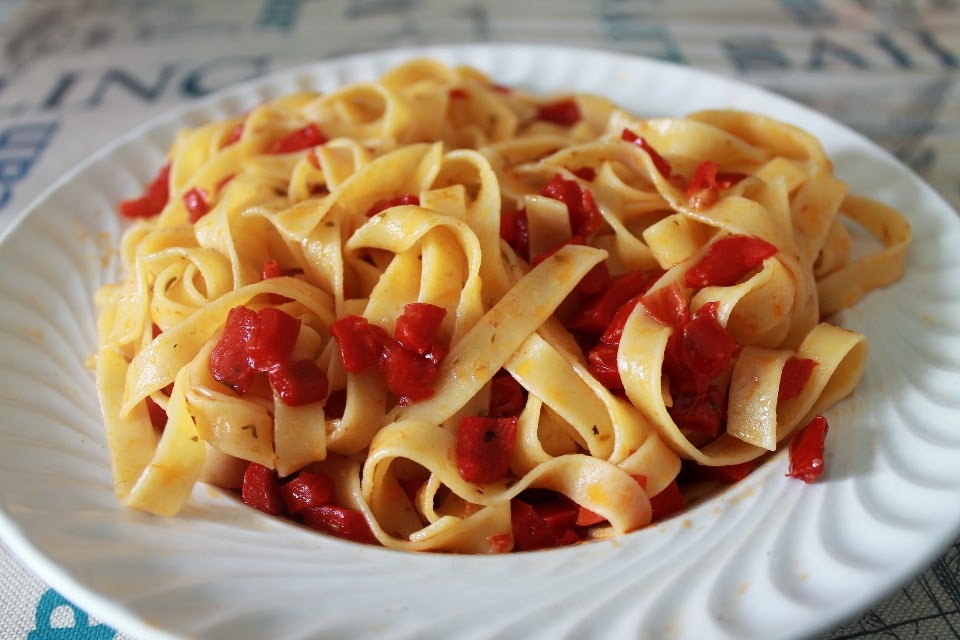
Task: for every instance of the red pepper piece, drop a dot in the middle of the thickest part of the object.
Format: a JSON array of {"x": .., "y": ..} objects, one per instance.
[
  {"x": 585, "y": 218},
  {"x": 299, "y": 382},
  {"x": 564, "y": 112},
  {"x": 706, "y": 184},
  {"x": 661, "y": 164},
  {"x": 234, "y": 136},
  {"x": 339, "y": 521},
  {"x": 585, "y": 173},
  {"x": 417, "y": 327},
  {"x": 153, "y": 200},
  {"x": 500, "y": 543},
  {"x": 224, "y": 181},
  {"x": 360, "y": 342},
  {"x": 458, "y": 93},
  {"x": 703, "y": 413},
  {"x": 336, "y": 404},
  {"x": 271, "y": 269},
  {"x": 667, "y": 305},
  {"x": 602, "y": 364},
  {"x": 303, "y": 138},
  {"x": 506, "y": 396},
  {"x": 708, "y": 347},
  {"x": 229, "y": 363},
  {"x": 195, "y": 200},
  {"x": 409, "y": 376},
  {"x": 558, "y": 512},
  {"x": 667, "y": 502},
  {"x": 386, "y": 203},
  {"x": 598, "y": 313},
  {"x": 515, "y": 230},
  {"x": 530, "y": 532},
  {"x": 728, "y": 260},
  {"x": 615, "y": 329},
  {"x": 587, "y": 518},
  {"x": 272, "y": 338},
  {"x": 307, "y": 490},
  {"x": 806, "y": 450},
  {"x": 158, "y": 417},
  {"x": 794, "y": 377},
  {"x": 261, "y": 490},
  {"x": 727, "y": 473},
  {"x": 484, "y": 446}
]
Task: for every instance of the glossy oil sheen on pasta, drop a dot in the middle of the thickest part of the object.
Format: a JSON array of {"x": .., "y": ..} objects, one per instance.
[{"x": 470, "y": 150}]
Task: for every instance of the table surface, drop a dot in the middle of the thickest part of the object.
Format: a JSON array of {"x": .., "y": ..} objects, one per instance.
[{"x": 75, "y": 73}]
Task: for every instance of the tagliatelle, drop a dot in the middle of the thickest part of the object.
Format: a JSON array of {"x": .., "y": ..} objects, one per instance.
[{"x": 602, "y": 296}]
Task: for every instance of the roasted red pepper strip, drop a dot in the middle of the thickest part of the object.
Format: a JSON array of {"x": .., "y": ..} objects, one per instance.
[
  {"x": 705, "y": 185},
  {"x": 307, "y": 490},
  {"x": 794, "y": 377},
  {"x": 667, "y": 502},
  {"x": 299, "y": 382},
  {"x": 303, "y": 138},
  {"x": 506, "y": 396},
  {"x": 272, "y": 338},
  {"x": 727, "y": 473},
  {"x": 360, "y": 342},
  {"x": 261, "y": 490},
  {"x": 602, "y": 364},
  {"x": 701, "y": 412},
  {"x": 409, "y": 376},
  {"x": 595, "y": 316},
  {"x": 417, "y": 327},
  {"x": 530, "y": 532},
  {"x": 339, "y": 521},
  {"x": 229, "y": 362},
  {"x": 564, "y": 112},
  {"x": 195, "y": 200},
  {"x": 667, "y": 305},
  {"x": 484, "y": 446},
  {"x": 806, "y": 450},
  {"x": 515, "y": 230},
  {"x": 661, "y": 164},
  {"x": 158, "y": 417},
  {"x": 728, "y": 260},
  {"x": 153, "y": 200},
  {"x": 708, "y": 347},
  {"x": 585, "y": 218},
  {"x": 385, "y": 203}
]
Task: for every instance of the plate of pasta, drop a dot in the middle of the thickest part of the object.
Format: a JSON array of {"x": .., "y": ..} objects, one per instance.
[{"x": 499, "y": 341}]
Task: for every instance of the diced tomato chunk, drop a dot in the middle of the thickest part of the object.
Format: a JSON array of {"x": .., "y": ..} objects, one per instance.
[
  {"x": 614, "y": 330},
  {"x": 506, "y": 396},
  {"x": 195, "y": 200},
  {"x": 727, "y": 473},
  {"x": 728, "y": 260},
  {"x": 261, "y": 490},
  {"x": 458, "y": 93},
  {"x": 417, "y": 327},
  {"x": 298, "y": 382},
  {"x": 500, "y": 543},
  {"x": 662, "y": 165},
  {"x": 806, "y": 450},
  {"x": 336, "y": 404},
  {"x": 360, "y": 342},
  {"x": 272, "y": 338},
  {"x": 700, "y": 412},
  {"x": 271, "y": 269},
  {"x": 298, "y": 140},
  {"x": 386, "y": 203},
  {"x": 307, "y": 490},
  {"x": 484, "y": 446},
  {"x": 564, "y": 112},
  {"x": 153, "y": 200},
  {"x": 667, "y": 502},
  {"x": 585, "y": 218},
  {"x": 530, "y": 532},
  {"x": 585, "y": 173},
  {"x": 794, "y": 377},
  {"x": 229, "y": 363},
  {"x": 339, "y": 521},
  {"x": 587, "y": 518}
]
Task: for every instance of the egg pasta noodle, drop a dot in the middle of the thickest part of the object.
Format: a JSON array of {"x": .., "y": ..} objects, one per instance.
[{"x": 513, "y": 217}]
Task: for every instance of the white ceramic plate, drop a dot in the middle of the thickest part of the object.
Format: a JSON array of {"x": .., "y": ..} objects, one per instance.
[{"x": 770, "y": 558}]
